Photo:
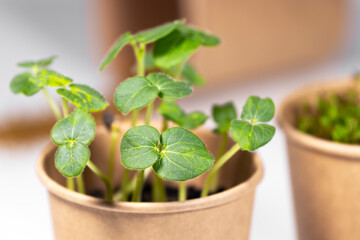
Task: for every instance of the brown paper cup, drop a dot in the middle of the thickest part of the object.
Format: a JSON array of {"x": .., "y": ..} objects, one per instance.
[
  {"x": 226, "y": 215},
  {"x": 325, "y": 175}
]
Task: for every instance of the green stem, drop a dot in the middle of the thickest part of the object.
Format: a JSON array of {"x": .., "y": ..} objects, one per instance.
[
  {"x": 111, "y": 163},
  {"x": 96, "y": 170},
  {"x": 148, "y": 113},
  {"x": 136, "y": 197},
  {"x": 125, "y": 189},
  {"x": 70, "y": 184},
  {"x": 158, "y": 189},
  {"x": 219, "y": 163},
  {"x": 140, "y": 57},
  {"x": 178, "y": 70},
  {"x": 65, "y": 107},
  {"x": 221, "y": 151},
  {"x": 165, "y": 124},
  {"x": 134, "y": 118},
  {"x": 182, "y": 192},
  {"x": 80, "y": 184},
  {"x": 52, "y": 104}
]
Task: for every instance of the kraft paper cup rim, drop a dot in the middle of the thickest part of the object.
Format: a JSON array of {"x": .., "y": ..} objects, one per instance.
[
  {"x": 308, "y": 93},
  {"x": 214, "y": 200}
]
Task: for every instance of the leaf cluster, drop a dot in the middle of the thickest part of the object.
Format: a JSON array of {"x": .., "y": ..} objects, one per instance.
[{"x": 335, "y": 117}]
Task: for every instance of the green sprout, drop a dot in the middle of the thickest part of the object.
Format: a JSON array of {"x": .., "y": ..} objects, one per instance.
[{"x": 249, "y": 133}]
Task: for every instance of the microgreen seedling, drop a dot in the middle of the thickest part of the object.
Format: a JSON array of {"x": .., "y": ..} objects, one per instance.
[
  {"x": 172, "y": 111},
  {"x": 249, "y": 133},
  {"x": 72, "y": 133}
]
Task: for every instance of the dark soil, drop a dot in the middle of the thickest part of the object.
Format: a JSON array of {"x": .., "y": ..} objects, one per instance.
[{"x": 171, "y": 193}]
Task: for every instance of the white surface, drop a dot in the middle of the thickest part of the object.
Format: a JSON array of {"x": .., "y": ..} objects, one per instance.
[{"x": 41, "y": 28}]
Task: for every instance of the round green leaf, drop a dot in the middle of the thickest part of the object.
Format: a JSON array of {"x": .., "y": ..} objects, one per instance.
[
  {"x": 156, "y": 33},
  {"x": 21, "y": 84},
  {"x": 139, "y": 147},
  {"x": 171, "y": 110},
  {"x": 174, "y": 49},
  {"x": 78, "y": 127},
  {"x": 258, "y": 110},
  {"x": 193, "y": 120},
  {"x": 84, "y": 97},
  {"x": 223, "y": 115},
  {"x": 190, "y": 74},
  {"x": 120, "y": 43},
  {"x": 206, "y": 39},
  {"x": 168, "y": 87},
  {"x": 251, "y": 136},
  {"x": 50, "y": 78},
  {"x": 134, "y": 93},
  {"x": 179, "y": 45},
  {"x": 71, "y": 159},
  {"x": 183, "y": 157},
  {"x": 39, "y": 64}
]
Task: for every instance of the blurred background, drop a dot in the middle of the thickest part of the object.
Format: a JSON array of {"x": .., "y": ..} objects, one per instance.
[{"x": 269, "y": 48}]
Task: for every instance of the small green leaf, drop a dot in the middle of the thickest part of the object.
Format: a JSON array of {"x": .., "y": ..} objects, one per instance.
[
  {"x": 184, "y": 156},
  {"x": 84, "y": 97},
  {"x": 73, "y": 135},
  {"x": 50, "y": 78},
  {"x": 134, "y": 93},
  {"x": 206, "y": 39},
  {"x": 78, "y": 127},
  {"x": 223, "y": 115},
  {"x": 168, "y": 87},
  {"x": 139, "y": 147},
  {"x": 251, "y": 136},
  {"x": 120, "y": 43},
  {"x": 21, "y": 84},
  {"x": 258, "y": 110},
  {"x": 179, "y": 45},
  {"x": 190, "y": 74},
  {"x": 171, "y": 111},
  {"x": 193, "y": 120},
  {"x": 174, "y": 49},
  {"x": 156, "y": 33},
  {"x": 37, "y": 64},
  {"x": 71, "y": 160}
]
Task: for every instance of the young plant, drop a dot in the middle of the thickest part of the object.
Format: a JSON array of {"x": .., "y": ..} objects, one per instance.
[
  {"x": 31, "y": 82},
  {"x": 249, "y": 133},
  {"x": 72, "y": 133},
  {"x": 335, "y": 117}
]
